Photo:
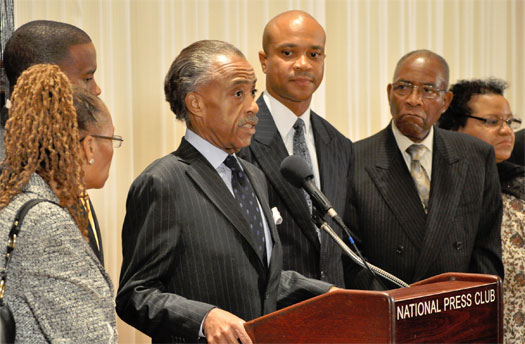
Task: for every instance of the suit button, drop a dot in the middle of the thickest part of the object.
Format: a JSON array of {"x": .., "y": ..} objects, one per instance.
[
  {"x": 323, "y": 275},
  {"x": 458, "y": 245},
  {"x": 400, "y": 249}
]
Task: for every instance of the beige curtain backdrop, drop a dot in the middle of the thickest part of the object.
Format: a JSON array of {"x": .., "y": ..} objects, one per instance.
[{"x": 137, "y": 40}]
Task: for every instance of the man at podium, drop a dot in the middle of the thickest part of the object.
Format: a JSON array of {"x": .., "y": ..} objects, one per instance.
[{"x": 201, "y": 252}]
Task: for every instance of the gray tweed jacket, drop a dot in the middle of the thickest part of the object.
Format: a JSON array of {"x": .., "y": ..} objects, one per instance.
[{"x": 56, "y": 287}]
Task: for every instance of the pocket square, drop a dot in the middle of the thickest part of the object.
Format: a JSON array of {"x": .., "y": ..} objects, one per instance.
[{"x": 277, "y": 216}]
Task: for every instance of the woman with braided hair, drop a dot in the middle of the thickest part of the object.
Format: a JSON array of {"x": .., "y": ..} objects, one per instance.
[{"x": 56, "y": 287}]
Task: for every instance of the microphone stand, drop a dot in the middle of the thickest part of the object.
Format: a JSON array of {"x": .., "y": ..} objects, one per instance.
[{"x": 357, "y": 258}]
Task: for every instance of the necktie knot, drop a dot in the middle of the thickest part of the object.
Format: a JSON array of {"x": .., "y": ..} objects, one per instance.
[
  {"x": 416, "y": 152},
  {"x": 234, "y": 166},
  {"x": 299, "y": 126}
]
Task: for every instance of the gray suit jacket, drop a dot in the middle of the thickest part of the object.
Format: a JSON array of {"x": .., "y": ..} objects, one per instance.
[
  {"x": 301, "y": 248},
  {"x": 56, "y": 287},
  {"x": 461, "y": 231},
  {"x": 187, "y": 248}
]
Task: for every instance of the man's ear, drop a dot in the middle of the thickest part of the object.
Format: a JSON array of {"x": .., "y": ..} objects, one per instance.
[
  {"x": 194, "y": 104},
  {"x": 446, "y": 100},
  {"x": 262, "y": 59}
]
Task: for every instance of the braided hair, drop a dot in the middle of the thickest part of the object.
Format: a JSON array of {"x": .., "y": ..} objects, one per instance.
[{"x": 42, "y": 136}]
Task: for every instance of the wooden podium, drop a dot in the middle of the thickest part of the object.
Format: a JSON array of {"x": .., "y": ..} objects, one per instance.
[{"x": 448, "y": 308}]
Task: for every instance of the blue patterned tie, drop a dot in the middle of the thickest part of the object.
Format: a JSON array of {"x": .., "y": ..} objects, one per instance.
[
  {"x": 301, "y": 149},
  {"x": 419, "y": 174},
  {"x": 245, "y": 195}
]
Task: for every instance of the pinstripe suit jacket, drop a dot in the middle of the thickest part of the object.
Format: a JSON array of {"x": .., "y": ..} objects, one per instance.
[
  {"x": 187, "y": 248},
  {"x": 302, "y": 251},
  {"x": 461, "y": 231}
]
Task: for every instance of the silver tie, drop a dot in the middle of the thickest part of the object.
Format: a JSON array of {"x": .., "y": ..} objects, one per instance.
[
  {"x": 301, "y": 149},
  {"x": 419, "y": 175}
]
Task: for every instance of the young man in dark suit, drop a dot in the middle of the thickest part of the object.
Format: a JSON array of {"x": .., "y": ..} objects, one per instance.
[
  {"x": 425, "y": 200},
  {"x": 69, "y": 47},
  {"x": 293, "y": 60},
  {"x": 201, "y": 252}
]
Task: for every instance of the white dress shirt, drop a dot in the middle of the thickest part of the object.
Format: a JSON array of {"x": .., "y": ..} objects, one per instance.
[{"x": 284, "y": 119}]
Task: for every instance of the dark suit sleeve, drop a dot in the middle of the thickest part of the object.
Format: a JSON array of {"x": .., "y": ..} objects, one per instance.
[
  {"x": 151, "y": 239},
  {"x": 486, "y": 255}
]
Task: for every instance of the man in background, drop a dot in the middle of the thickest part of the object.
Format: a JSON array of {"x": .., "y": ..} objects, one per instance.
[
  {"x": 425, "y": 200},
  {"x": 45, "y": 41},
  {"x": 293, "y": 60}
]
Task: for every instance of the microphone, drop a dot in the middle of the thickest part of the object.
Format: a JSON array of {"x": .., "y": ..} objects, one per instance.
[{"x": 297, "y": 172}]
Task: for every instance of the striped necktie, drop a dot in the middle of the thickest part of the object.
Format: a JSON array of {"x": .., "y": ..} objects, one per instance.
[{"x": 419, "y": 175}]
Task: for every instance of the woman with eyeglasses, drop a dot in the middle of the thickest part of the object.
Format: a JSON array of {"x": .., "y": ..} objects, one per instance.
[
  {"x": 480, "y": 109},
  {"x": 55, "y": 286},
  {"x": 97, "y": 142}
]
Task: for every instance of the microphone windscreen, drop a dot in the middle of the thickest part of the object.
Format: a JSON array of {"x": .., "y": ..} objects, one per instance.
[{"x": 296, "y": 170}]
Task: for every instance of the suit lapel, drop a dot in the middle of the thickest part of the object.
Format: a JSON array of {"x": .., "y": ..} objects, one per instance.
[
  {"x": 96, "y": 230},
  {"x": 449, "y": 171},
  {"x": 269, "y": 150},
  {"x": 208, "y": 180},
  {"x": 326, "y": 161},
  {"x": 393, "y": 180},
  {"x": 326, "y": 158}
]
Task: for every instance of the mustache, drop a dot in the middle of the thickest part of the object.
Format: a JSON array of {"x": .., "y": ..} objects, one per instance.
[
  {"x": 250, "y": 119},
  {"x": 303, "y": 75}
]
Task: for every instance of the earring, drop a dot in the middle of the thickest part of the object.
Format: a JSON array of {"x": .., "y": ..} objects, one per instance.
[{"x": 91, "y": 161}]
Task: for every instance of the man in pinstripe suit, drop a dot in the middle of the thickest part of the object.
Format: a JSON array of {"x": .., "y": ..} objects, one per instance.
[
  {"x": 193, "y": 267},
  {"x": 405, "y": 228},
  {"x": 293, "y": 61}
]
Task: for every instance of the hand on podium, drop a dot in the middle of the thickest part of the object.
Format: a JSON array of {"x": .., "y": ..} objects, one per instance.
[{"x": 221, "y": 326}]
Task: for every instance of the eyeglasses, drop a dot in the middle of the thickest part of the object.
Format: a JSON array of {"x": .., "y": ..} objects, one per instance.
[
  {"x": 497, "y": 122},
  {"x": 404, "y": 89},
  {"x": 117, "y": 139}
]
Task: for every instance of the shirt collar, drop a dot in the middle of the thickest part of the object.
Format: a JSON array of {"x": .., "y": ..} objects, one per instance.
[
  {"x": 404, "y": 142},
  {"x": 283, "y": 117},
  {"x": 213, "y": 154}
]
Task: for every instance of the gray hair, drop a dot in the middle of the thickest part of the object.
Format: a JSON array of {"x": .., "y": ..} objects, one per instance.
[{"x": 192, "y": 68}]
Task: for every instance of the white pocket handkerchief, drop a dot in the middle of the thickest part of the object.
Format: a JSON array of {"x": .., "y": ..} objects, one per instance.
[{"x": 277, "y": 216}]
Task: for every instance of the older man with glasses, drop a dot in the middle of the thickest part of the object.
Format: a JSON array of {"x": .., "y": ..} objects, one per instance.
[{"x": 425, "y": 201}]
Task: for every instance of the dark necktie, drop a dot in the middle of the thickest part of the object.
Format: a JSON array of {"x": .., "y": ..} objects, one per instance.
[
  {"x": 301, "y": 149},
  {"x": 245, "y": 195},
  {"x": 419, "y": 175}
]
